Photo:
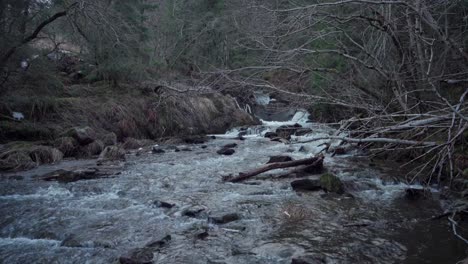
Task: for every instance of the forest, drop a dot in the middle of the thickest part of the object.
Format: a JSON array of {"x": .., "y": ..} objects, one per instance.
[{"x": 134, "y": 86}]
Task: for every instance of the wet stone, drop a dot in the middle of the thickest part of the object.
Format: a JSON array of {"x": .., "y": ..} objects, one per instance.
[
  {"x": 232, "y": 145},
  {"x": 71, "y": 241},
  {"x": 275, "y": 159},
  {"x": 193, "y": 211},
  {"x": 226, "y": 151},
  {"x": 224, "y": 218},
  {"x": 414, "y": 194},
  {"x": 303, "y": 131},
  {"x": 271, "y": 135},
  {"x": 164, "y": 204},
  {"x": 157, "y": 150},
  {"x": 306, "y": 185}
]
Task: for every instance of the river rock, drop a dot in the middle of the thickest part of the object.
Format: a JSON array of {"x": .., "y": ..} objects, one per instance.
[
  {"x": 144, "y": 255},
  {"x": 193, "y": 211},
  {"x": 338, "y": 151},
  {"x": 271, "y": 135},
  {"x": 286, "y": 131},
  {"x": 83, "y": 135},
  {"x": 413, "y": 194},
  {"x": 157, "y": 150},
  {"x": 303, "y": 131},
  {"x": 232, "y": 145},
  {"x": 306, "y": 185},
  {"x": 109, "y": 139},
  {"x": 314, "y": 169},
  {"x": 224, "y": 218},
  {"x": 331, "y": 183},
  {"x": 71, "y": 241},
  {"x": 76, "y": 175},
  {"x": 303, "y": 149},
  {"x": 226, "y": 151},
  {"x": 195, "y": 139},
  {"x": 111, "y": 153},
  {"x": 275, "y": 159},
  {"x": 164, "y": 204}
]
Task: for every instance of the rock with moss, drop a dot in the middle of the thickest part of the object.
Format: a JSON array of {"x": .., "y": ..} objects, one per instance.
[
  {"x": 109, "y": 139},
  {"x": 83, "y": 135},
  {"x": 331, "y": 183}
]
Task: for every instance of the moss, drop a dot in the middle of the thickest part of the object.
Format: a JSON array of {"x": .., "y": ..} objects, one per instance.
[{"x": 331, "y": 183}]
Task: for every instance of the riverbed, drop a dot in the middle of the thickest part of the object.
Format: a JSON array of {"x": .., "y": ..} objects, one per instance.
[{"x": 164, "y": 205}]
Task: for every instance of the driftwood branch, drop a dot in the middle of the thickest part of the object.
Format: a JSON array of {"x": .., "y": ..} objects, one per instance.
[
  {"x": 375, "y": 140},
  {"x": 277, "y": 165}
]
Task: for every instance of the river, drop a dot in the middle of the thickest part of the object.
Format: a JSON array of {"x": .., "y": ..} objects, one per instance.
[{"x": 100, "y": 220}]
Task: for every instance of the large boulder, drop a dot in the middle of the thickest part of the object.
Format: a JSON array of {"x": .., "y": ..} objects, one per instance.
[{"x": 83, "y": 135}]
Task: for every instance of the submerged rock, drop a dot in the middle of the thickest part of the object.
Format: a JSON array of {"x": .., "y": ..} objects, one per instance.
[
  {"x": 271, "y": 135},
  {"x": 164, "y": 204},
  {"x": 224, "y": 218},
  {"x": 275, "y": 159},
  {"x": 413, "y": 194},
  {"x": 331, "y": 183},
  {"x": 232, "y": 145},
  {"x": 72, "y": 176},
  {"x": 306, "y": 185},
  {"x": 193, "y": 211},
  {"x": 144, "y": 255},
  {"x": 71, "y": 241},
  {"x": 226, "y": 151},
  {"x": 303, "y": 131}
]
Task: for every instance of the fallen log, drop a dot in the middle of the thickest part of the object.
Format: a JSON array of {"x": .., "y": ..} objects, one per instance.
[{"x": 313, "y": 161}]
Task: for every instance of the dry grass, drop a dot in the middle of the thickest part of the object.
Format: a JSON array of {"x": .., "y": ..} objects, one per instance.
[{"x": 293, "y": 212}]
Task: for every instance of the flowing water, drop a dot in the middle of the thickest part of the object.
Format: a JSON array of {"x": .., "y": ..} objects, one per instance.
[{"x": 97, "y": 221}]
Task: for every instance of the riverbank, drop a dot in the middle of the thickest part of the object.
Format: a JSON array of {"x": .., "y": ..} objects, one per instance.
[{"x": 81, "y": 120}]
